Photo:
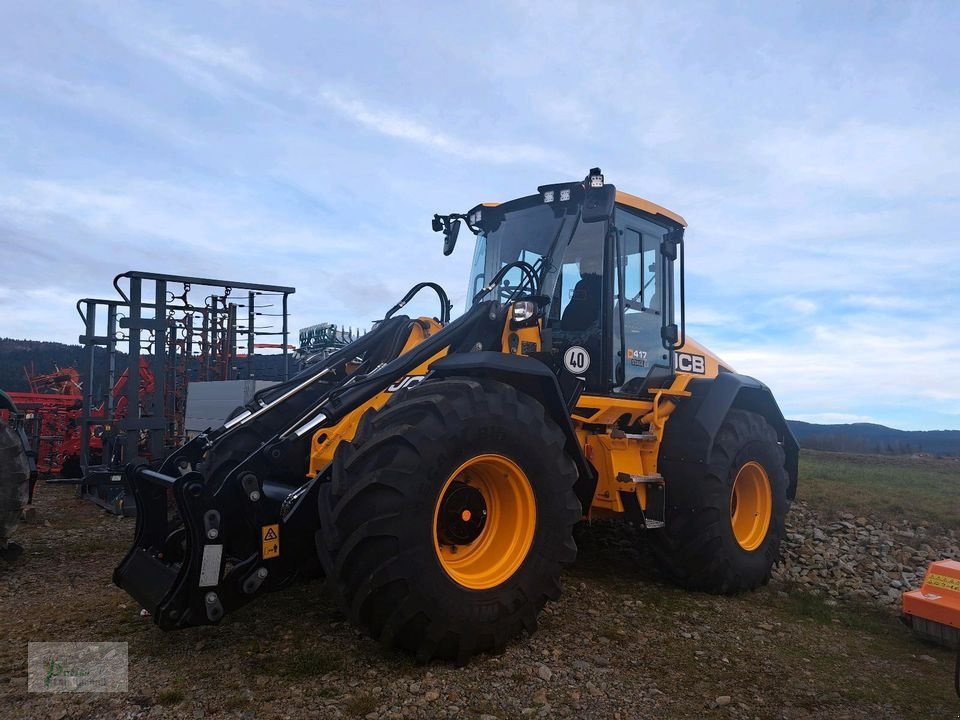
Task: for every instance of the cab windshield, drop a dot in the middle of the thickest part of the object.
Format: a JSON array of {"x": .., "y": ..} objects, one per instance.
[{"x": 536, "y": 233}]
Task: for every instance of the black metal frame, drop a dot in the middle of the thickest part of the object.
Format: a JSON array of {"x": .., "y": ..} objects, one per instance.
[{"x": 171, "y": 338}]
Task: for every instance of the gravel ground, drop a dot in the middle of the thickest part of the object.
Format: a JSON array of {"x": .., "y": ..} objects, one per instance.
[
  {"x": 620, "y": 644},
  {"x": 858, "y": 558}
]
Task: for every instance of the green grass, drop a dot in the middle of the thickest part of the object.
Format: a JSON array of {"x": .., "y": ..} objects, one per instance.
[
  {"x": 861, "y": 617},
  {"x": 921, "y": 490},
  {"x": 867, "y": 642}
]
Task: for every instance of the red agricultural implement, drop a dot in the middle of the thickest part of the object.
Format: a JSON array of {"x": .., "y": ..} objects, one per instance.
[{"x": 51, "y": 414}]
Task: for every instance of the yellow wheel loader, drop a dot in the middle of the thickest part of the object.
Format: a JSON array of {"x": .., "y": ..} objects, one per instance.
[{"x": 432, "y": 470}]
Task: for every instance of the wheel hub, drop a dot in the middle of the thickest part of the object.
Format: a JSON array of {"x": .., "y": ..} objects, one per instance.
[
  {"x": 462, "y": 515},
  {"x": 485, "y": 518}
]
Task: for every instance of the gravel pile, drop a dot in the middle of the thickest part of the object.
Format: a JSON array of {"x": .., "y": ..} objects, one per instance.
[{"x": 858, "y": 558}]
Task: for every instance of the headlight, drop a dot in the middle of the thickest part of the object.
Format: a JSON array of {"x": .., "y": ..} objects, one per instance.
[{"x": 524, "y": 310}]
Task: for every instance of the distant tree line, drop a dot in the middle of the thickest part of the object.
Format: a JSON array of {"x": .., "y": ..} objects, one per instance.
[
  {"x": 839, "y": 442},
  {"x": 875, "y": 439},
  {"x": 42, "y": 357}
]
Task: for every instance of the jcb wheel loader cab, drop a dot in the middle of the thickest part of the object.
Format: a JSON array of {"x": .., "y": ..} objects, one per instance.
[
  {"x": 448, "y": 517},
  {"x": 608, "y": 284}
]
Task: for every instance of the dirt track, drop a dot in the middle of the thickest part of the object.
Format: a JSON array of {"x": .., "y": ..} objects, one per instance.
[{"x": 618, "y": 645}]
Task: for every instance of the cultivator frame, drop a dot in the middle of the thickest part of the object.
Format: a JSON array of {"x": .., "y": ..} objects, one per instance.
[{"x": 164, "y": 330}]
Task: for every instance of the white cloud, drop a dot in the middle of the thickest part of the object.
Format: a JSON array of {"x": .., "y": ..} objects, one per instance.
[
  {"x": 875, "y": 158},
  {"x": 214, "y": 68},
  {"x": 233, "y": 70},
  {"x": 894, "y": 302},
  {"x": 855, "y": 368},
  {"x": 798, "y": 305},
  {"x": 402, "y": 127},
  {"x": 236, "y": 60},
  {"x": 95, "y": 99}
]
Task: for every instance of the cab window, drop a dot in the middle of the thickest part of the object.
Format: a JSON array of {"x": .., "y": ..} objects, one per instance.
[{"x": 640, "y": 303}]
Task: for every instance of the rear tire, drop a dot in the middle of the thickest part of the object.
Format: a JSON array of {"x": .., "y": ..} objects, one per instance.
[
  {"x": 706, "y": 544},
  {"x": 387, "y": 538}
]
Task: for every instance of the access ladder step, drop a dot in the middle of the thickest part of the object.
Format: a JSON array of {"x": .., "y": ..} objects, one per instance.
[
  {"x": 654, "y": 513},
  {"x": 656, "y": 478}
]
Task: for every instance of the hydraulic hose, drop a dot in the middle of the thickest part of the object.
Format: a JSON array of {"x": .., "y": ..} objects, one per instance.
[{"x": 445, "y": 305}]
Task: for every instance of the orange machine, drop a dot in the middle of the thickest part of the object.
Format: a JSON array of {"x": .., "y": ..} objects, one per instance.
[{"x": 933, "y": 611}]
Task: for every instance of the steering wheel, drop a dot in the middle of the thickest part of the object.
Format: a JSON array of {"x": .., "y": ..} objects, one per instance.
[{"x": 506, "y": 292}]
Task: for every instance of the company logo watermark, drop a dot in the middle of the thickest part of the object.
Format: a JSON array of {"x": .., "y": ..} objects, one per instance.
[{"x": 76, "y": 667}]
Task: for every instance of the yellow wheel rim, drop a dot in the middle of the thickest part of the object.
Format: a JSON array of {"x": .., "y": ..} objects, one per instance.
[
  {"x": 484, "y": 521},
  {"x": 751, "y": 505}
]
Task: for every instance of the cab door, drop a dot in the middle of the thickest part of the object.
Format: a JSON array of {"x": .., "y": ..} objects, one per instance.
[
  {"x": 580, "y": 310},
  {"x": 639, "y": 302}
]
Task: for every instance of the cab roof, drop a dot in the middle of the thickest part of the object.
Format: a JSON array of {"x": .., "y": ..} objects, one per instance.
[
  {"x": 625, "y": 199},
  {"x": 649, "y": 207}
]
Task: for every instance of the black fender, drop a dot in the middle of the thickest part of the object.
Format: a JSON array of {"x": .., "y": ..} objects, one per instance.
[
  {"x": 693, "y": 425},
  {"x": 535, "y": 379}
]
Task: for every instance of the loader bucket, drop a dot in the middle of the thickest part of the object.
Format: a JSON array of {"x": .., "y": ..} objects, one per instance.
[{"x": 176, "y": 557}]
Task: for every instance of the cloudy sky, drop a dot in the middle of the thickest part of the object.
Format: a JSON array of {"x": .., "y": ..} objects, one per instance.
[{"x": 814, "y": 148}]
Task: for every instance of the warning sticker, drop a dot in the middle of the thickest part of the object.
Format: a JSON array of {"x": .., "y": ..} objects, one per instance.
[
  {"x": 271, "y": 541},
  {"x": 943, "y": 581}
]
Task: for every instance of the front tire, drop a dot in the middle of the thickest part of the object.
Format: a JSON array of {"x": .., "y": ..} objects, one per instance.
[
  {"x": 724, "y": 524},
  {"x": 447, "y": 519}
]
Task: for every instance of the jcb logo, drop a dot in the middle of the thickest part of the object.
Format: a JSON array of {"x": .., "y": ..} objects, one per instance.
[
  {"x": 696, "y": 364},
  {"x": 406, "y": 382}
]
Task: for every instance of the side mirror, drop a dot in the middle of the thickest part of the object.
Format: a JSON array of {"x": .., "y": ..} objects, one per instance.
[
  {"x": 450, "y": 233},
  {"x": 598, "y": 203}
]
